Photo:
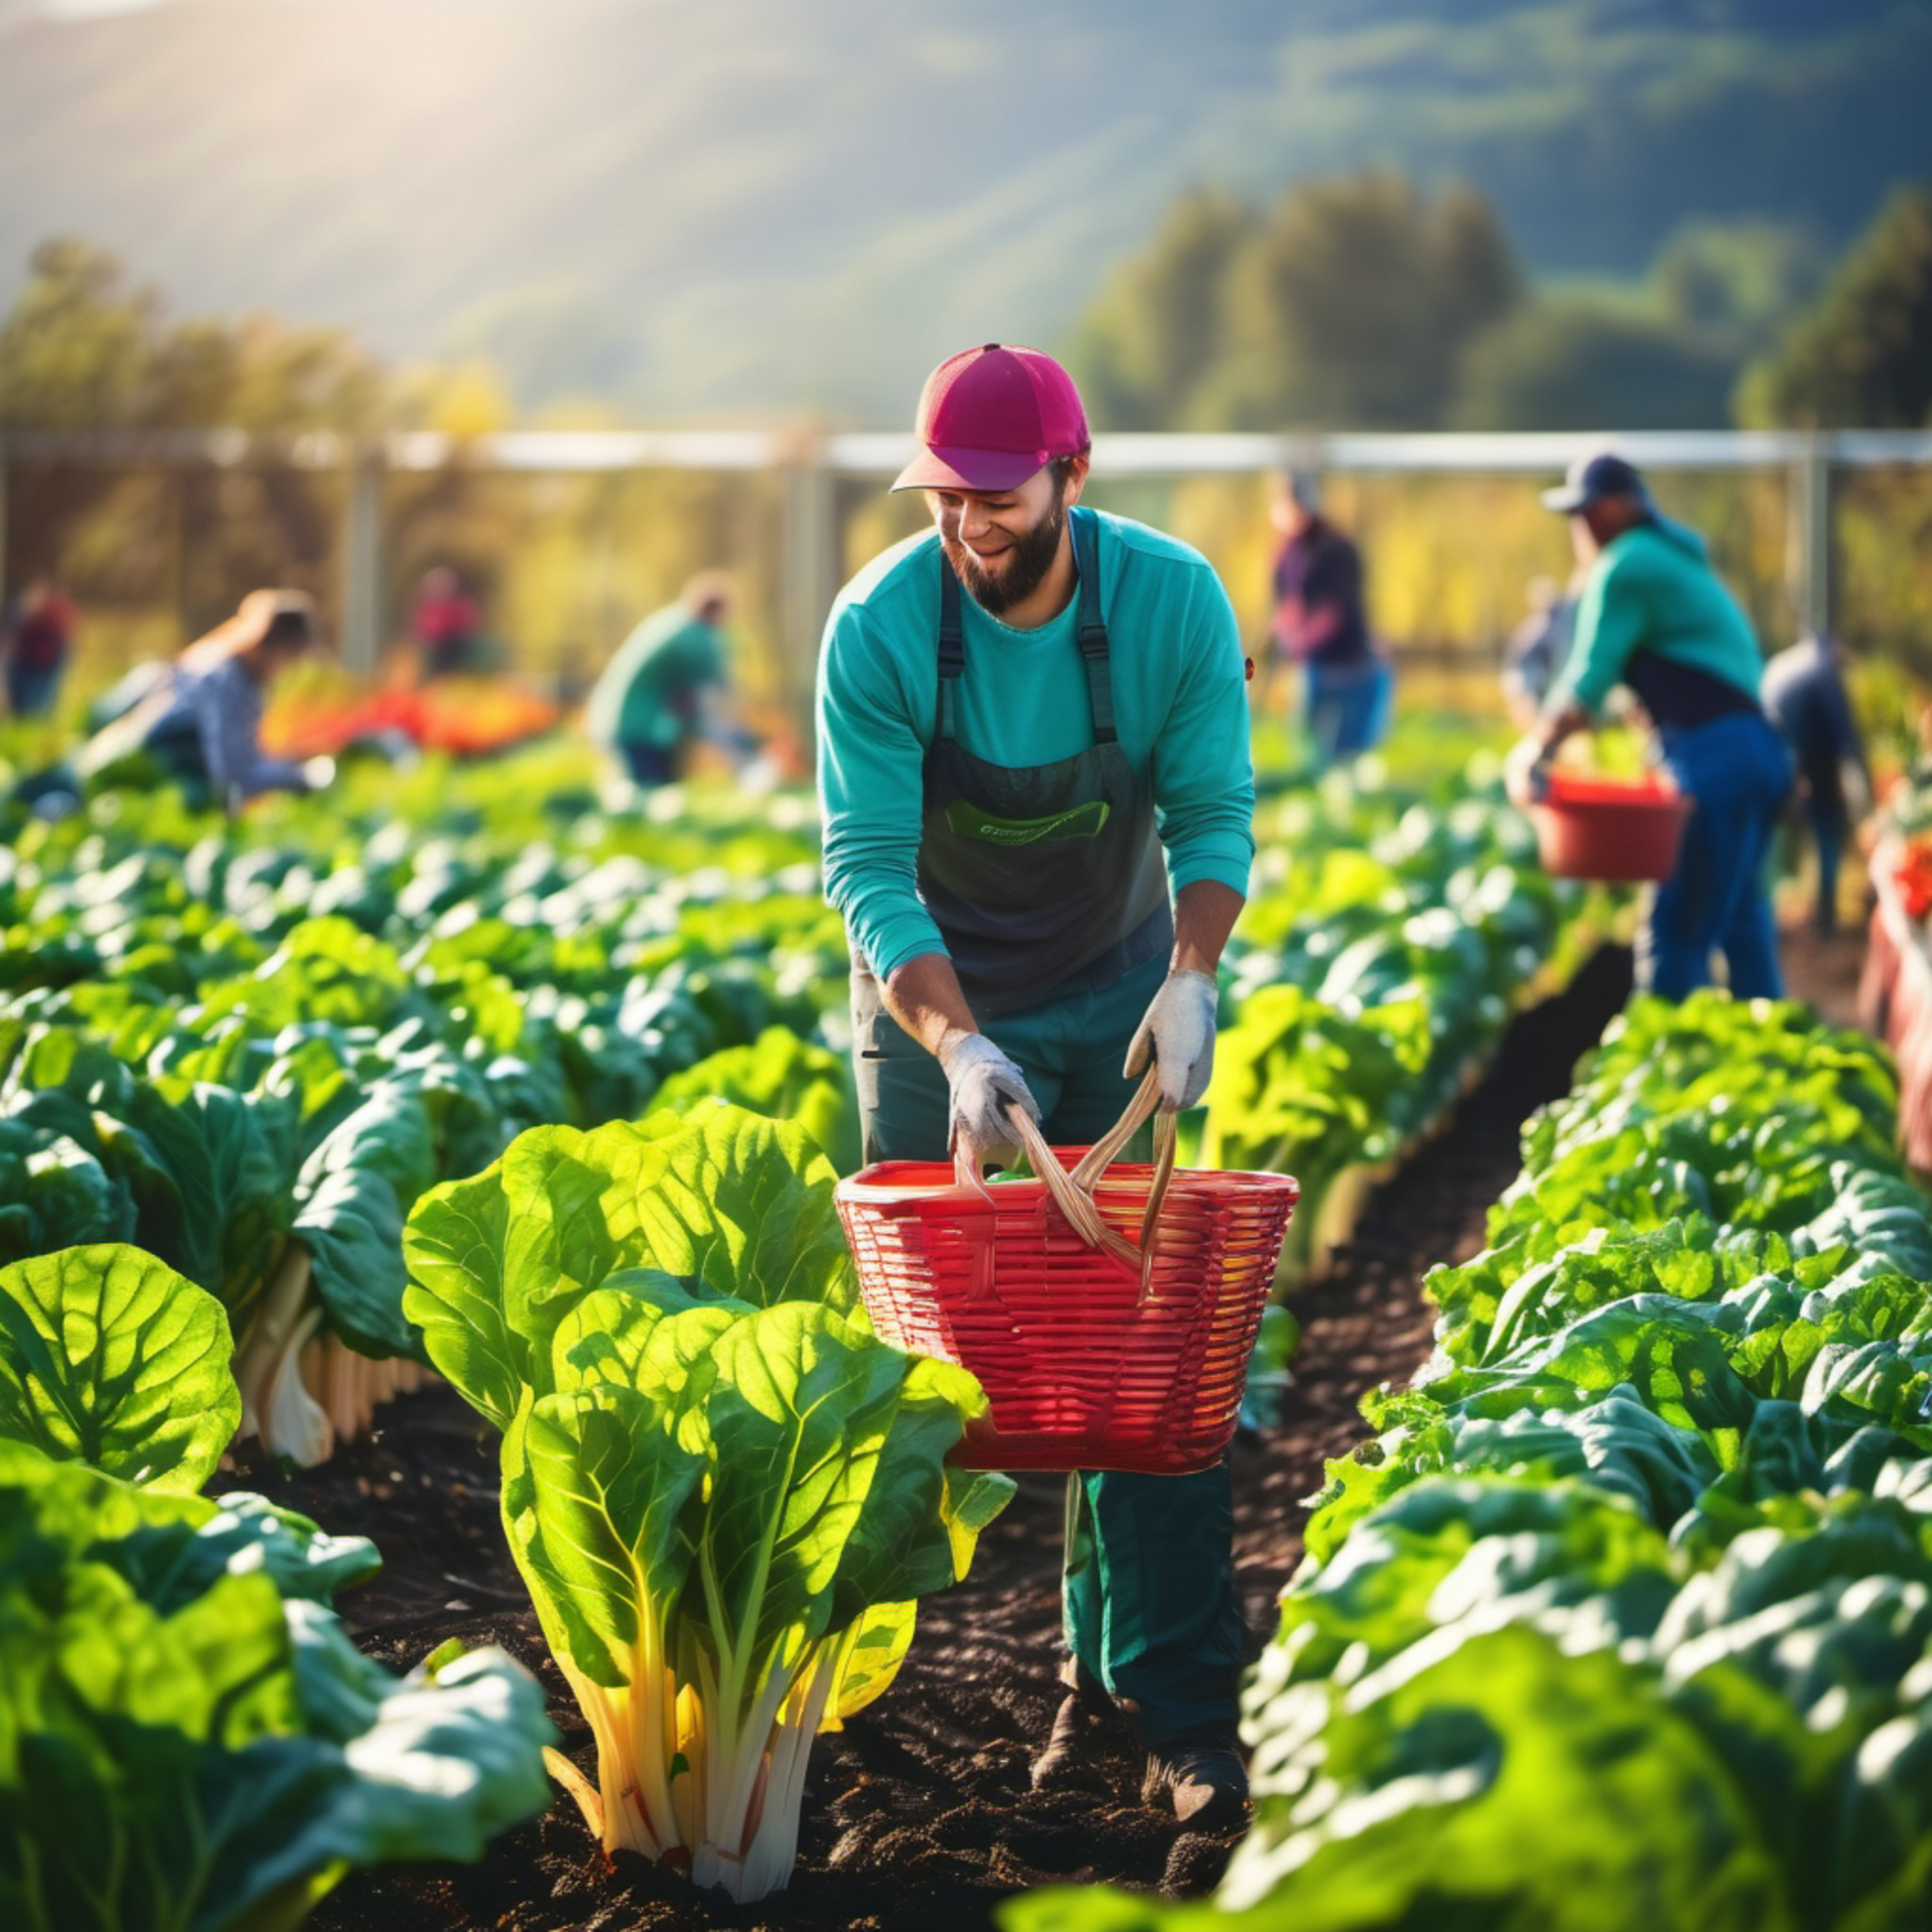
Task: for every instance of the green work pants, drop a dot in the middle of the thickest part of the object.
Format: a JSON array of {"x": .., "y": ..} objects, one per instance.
[{"x": 1147, "y": 1591}]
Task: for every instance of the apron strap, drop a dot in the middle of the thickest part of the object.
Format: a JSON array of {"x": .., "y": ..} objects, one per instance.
[
  {"x": 1093, "y": 627},
  {"x": 1092, "y": 631},
  {"x": 952, "y": 647}
]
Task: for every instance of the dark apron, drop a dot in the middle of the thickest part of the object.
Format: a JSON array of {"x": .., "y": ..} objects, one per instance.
[{"x": 1045, "y": 877}]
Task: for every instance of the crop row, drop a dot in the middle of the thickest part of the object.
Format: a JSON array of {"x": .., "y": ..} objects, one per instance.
[
  {"x": 1625, "y": 1613},
  {"x": 250, "y": 1048},
  {"x": 256, "y": 1050}
]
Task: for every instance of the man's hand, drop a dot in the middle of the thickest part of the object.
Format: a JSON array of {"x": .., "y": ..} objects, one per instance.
[
  {"x": 1179, "y": 1031},
  {"x": 983, "y": 1084},
  {"x": 1526, "y": 772}
]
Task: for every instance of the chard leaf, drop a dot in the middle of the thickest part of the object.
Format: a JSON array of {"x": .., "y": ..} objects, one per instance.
[
  {"x": 792, "y": 1428},
  {"x": 1483, "y": 1787},
  {"x": 109, "y": 1356},
  {"x": 745, "y": 1205},
  {"x": 782, "y": 1078},
  {"x": 876, "y": 1647},
  {"x": 613, "y": 1531},
  {"x": 351, "y": 1195},
  {"x": 733, "y": 1205}
]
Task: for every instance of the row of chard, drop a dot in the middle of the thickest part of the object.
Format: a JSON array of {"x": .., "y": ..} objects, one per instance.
[
  {"x": 1624, "y": 1615},
  {"x": 261, "y": 1062},
  {"x": 251, "y": 1059},
  {"x": 250, "y": 1048}
]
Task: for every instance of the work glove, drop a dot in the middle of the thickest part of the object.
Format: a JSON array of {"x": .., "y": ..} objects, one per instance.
[
  {"x": 1179, "y": 1031},
  {"x": 982, "y": 1084},
  {"x": 1526, "y": 773}
]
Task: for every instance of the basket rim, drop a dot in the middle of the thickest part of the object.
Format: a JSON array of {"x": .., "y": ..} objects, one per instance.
[
  {"x": 1612, "y": 799},
  {"x": 890, "y": 1183}
]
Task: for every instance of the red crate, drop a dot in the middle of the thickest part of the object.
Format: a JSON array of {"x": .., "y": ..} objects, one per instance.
[{"x": 1081, "y": 1369}]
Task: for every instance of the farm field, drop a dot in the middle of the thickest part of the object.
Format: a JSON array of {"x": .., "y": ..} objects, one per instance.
[
  {"x": 506, "y": 1093},
  {"x": 920, "y": 1812}
]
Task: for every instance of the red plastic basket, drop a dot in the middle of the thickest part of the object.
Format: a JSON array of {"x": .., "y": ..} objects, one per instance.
[
  {"x": 1081, "y": 1370},
  {"x": 1601, "y": 828}
]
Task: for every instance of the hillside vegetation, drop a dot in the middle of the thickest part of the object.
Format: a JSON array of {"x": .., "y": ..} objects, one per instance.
[{"x": 756, "y": 205}]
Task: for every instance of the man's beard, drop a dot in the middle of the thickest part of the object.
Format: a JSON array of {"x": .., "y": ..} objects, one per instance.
[{"x": 1026, "y": 563}]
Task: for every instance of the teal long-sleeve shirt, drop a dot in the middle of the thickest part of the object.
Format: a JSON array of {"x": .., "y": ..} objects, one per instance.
[
  {"x": 1179, "y": 701},
  {"x": 1653, "y": 589}
]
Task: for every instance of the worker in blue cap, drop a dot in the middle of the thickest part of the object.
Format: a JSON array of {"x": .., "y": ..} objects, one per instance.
[{"x": 1655, "y": 616}]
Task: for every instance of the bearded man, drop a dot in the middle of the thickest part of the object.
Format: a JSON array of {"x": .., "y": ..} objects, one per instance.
[{"x": 1037, "y": 796}]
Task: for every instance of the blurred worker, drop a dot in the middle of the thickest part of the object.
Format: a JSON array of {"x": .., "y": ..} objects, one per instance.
[
  {"x": 667, "y": 686},
  {"x": 203, "y": 722},
  {"x": 36, "y": 638},
  {"x": 1539, "y": 646},
  {"x": 1319, "y": 624},
  {"x": 1654, "y": 616},
  {"x": 1803, "y": 693},
  {"x": 1017, "y": 711},
  {"x": 444, "y": 626}
]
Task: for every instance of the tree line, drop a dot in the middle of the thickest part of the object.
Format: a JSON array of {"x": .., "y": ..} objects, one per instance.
[{"x": 1361, "y": 301}]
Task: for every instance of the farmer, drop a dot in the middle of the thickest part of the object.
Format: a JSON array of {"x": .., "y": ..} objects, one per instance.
[
  {"x": 1804, "y": 692},
  {"x": 1654, "y": 616},
  {"x": 36, "y": 642},
  {"x": 1018, "y": 709},
  {"x": 444, "y": 626},
  {"x": 201, "y": 722},
  {"x": 666, "y": 686},
  {"x": 1321, "y": 624}
]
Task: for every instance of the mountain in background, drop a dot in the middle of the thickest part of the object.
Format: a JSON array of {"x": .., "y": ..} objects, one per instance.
[{"x": 760, "y": 207}]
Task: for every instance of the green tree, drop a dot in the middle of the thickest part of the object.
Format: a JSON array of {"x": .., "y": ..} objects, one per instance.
[
  {"x": 1738, "y": 283},
  {"x": 1159, "y": 324},
  {"x": 1861, "y": 356},
  {"x": 1577, "y": 363},
  {"x": 73, "y": 352},
  {"x": 85, "y": 348},
  {"x": 1347, "y": 305}
]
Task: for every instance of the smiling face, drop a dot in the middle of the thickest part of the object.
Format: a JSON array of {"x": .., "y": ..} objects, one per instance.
[{"x": 1008, "y": 545}]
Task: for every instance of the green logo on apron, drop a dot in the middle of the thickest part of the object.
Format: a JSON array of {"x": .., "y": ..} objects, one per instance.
[{"x": 1083, "y": 822}]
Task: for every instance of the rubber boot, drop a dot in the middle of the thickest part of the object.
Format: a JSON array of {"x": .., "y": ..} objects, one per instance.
[{"x": 1085, "y": 1718}]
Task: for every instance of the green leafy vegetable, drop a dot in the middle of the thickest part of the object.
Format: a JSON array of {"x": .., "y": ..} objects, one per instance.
[
  {"x": 109, "y": 1357},
  {"x": 724, "y": 1492}
]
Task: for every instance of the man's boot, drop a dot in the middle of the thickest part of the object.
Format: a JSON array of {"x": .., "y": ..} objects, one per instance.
[
  {"x": 1199, "y": 1777},
  {"x": 1085, "y": 1714}
]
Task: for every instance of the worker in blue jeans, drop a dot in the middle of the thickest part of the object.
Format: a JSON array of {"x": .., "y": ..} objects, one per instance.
[
  {"x": 1036, "y": 788},
  {"x": 1655, "y": 616}
]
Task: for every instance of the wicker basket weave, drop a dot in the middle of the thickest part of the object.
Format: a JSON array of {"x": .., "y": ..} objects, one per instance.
[{"x": 1083, "y": 1367}]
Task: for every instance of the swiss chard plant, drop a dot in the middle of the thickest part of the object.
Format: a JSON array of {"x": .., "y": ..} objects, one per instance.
[
  {"x": 724, "y": 1492},
  {"x": 188, "y": 1743}
]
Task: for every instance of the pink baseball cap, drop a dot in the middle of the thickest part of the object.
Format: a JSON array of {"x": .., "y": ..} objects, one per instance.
[{"x": 989, "y": 417}]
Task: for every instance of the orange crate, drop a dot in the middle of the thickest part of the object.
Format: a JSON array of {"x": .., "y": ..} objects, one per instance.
[
  {"x": 1081, "y": 1371},
  {"x": 1601, "y": 828}
]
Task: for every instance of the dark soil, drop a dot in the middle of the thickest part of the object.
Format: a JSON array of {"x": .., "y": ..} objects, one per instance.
[{"x": 919, "y": 1815}]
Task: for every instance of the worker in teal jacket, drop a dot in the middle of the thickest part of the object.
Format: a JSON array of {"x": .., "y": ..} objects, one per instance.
[
  {"x": 1655, "y": 616},
  {"x": 665, "y": 687},
  {"x": 1020, "y": 711}
]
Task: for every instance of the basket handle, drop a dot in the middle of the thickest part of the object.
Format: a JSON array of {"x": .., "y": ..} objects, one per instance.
[{"x": 1073, "y": 1193}]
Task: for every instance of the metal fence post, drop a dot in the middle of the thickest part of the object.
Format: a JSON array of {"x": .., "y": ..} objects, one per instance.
[
  {"x": 362, "y": 561},
  {"x": 1811, "y": 538},
  {"x": 809, "y": 575}
]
